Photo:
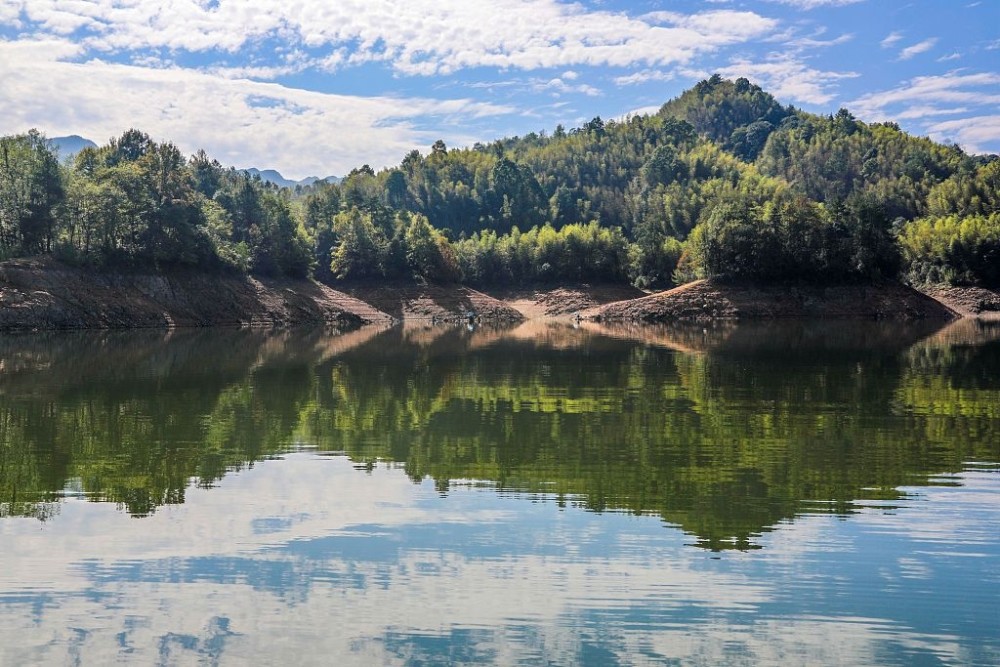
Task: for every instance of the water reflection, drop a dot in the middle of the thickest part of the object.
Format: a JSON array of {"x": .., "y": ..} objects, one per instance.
[
  {"x": 305, "y": 560},
  {"x": 431, "y": 495},
  {"x": 724, "y": 432}
]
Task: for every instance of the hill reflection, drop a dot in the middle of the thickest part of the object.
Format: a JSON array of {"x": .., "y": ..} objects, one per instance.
[{"x": 724, "y": 432}]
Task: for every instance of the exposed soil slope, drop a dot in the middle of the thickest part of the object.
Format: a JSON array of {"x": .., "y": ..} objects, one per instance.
[
  {"x": 968, "y": 301},
  {"x": 407, "y": 301},
  {"x": 45, "y": 294},
  {"x": 565, "y": 300},
  {"x": 41, "y": 293},
  {"x": 706, "y": 300}
]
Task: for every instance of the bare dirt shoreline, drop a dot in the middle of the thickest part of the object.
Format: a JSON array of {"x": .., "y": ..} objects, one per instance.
[
  {"x": 43, "y": 294},
  {"x": 706, "y": 300},
  {"x": 563, "y": 301},
  {"x": 40, "y": 294}
]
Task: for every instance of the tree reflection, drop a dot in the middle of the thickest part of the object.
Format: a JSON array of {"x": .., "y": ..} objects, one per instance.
[{"x": 724, "y": 432}]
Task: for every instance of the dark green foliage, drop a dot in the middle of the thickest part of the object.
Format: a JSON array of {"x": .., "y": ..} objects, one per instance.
[
  {"x": 134, "y": 203},
  {"x": 874, "y": 254},
  {"x": 278, "y": 246},
  {"x": 748, "y": 141},
  {"x": 795, "y": 240},
  {"x": 31, "y": 191},
  {"x": 319, "y": 210},
  {"x": 362, "y": 250},
  {"x": 262, "y": 226},
  {"x": 737, "y": 114},
  {"x": 427, "y": 251},
  {"x": 830, "y": 158},
  {"x": 663, "y": 167}
]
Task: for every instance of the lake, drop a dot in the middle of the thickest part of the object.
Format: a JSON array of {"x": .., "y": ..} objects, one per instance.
[{"x": 790, "y": 493}]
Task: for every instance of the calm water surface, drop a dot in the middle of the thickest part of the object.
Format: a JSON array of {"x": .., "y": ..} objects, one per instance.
[{"x": 802, "y": 493}]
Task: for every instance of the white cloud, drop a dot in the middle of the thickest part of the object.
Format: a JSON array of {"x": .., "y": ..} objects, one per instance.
[
  {"x": 813, "y": 4},
  {"x": 918, "y": 48},
  {"x": 297, "y": 131},
  {"x": 974, "y": 134},
  {"x": 953, "y": 56},
  {"x": 929, "y": 90},
  {"x": 418, "y": 37},
  {"x": 928, "y": 111},
  {"x": 555, "y": 86},
  {"x": 259, "y": 73},
  {"x": 643, "y": 76},
  {"x": 641, "y": 111},
  {"x": 343, "y": 605},
  {"x": 789, "y": 79},
  {"x": 813, "y": 43},
  {"x": 922, "y": 98},
  {"x": 891, "y": 39},
  {"x": 558, "y": 86},
  {"x": 181, "y": 69},
  {"x": 10, "y": 13}
]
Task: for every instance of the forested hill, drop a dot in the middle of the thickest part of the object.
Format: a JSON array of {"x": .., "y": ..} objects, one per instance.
[{"x": 724, "y": 181}]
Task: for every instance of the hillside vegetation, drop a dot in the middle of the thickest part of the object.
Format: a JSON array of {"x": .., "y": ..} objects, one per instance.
[{"x": 723, "y": 182}]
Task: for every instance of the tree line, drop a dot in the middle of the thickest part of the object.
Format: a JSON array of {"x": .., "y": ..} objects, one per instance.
[
  {"x": 136, "y": 203},
  {"x": 722, "y": 182}
]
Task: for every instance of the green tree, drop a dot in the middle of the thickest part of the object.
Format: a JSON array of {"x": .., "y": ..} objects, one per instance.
[
  {"x": 428, "y": 252},
  {"x": 358, "y": 254},
  {"x": 31, "y": 191}
]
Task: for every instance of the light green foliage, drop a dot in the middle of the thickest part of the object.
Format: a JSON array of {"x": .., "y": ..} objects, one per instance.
[
  {"x": 965, "y": 193},
  {"x": 360, "y": 247},
  {"x": 219, "y": 227},
  {"x": 959, "y": 241},
  {"x": 953, "y": 249},
  {"x": 135, "y": 202},
  {"x": 578, "y": 252},
  {"x": 428, "y": 252}
]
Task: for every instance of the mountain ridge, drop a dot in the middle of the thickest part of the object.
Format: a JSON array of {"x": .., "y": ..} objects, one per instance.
[
  {"x": 275, "y": 177},
  {"x": 68, "y": 146}
]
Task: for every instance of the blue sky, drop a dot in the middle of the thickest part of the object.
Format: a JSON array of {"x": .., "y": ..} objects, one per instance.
[{"x": 314, "y": 87}]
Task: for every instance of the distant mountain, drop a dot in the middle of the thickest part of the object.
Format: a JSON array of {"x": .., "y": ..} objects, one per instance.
[
  {"x": 71, "y": 145},
  {"x": 273, "y": 176}
]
